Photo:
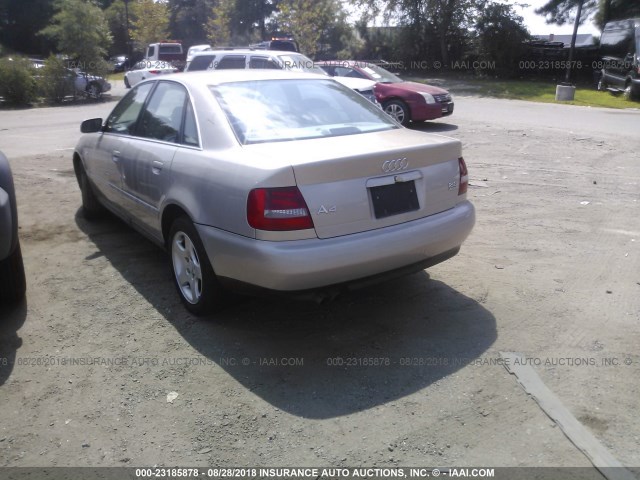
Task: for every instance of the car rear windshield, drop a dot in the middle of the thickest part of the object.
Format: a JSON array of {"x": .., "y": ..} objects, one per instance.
[{"x": 285, "y": 110}]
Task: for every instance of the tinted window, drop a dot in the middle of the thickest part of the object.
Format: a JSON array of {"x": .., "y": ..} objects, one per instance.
[
  {"x": 616, "y": 42},
  {"x": 201, "y": 62},
  {"x": 170, "y": 49},
  {"x": 283, "y": 45},
  {"x": 162, "y": 118},
  {"x": 151, "y": 52},
  {"x": 262, "y": 62},
  {"x": 232, "y": 61},
  {"x": 124, "y": 116}
]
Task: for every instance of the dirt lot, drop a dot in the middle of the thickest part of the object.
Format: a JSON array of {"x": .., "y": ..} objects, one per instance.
[{"x": 400, "y": 374}]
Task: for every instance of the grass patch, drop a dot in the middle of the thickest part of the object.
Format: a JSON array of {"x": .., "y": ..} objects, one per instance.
[
  {"x": 533, "y": 91},
  {"x": 114, "y": 77}
]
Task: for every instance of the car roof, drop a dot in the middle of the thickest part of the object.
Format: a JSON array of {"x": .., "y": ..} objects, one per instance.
[
  {"x": 218, "y": 77},
  {"x": 245, "y": 51}
]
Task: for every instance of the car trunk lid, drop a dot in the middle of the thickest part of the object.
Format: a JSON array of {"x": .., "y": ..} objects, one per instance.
[{"x": 357, "y": 183}]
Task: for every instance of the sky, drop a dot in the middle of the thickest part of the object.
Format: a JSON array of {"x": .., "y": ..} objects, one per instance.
[{"x": 537, "y": 25}]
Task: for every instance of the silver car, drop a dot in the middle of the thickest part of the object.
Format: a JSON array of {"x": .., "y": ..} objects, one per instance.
[{"x": 275, "y": 181}]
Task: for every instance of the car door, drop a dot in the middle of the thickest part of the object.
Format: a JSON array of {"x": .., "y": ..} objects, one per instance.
[
  {"x": 104, "y": 163},
  {"x": 147, "y": 165}
]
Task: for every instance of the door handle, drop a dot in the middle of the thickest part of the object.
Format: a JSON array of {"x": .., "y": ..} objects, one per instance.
[
  {"x": 156, "y": 166},
  {"x": 115, "y": 156}
]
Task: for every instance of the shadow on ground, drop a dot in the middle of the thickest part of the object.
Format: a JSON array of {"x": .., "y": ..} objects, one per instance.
[
  {"x": 364, "y": 349},
  {"x": 12, "y": 318},
  {"x": 433, "y": 126}
]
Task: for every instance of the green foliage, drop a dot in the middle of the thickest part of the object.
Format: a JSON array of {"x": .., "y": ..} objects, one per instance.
[
  {"x": 80, "y": 30},
  {"x": 609, "y": 10},
  {"x": 430, "y": 29},
  {"x": 17, "y": 85},
  {"x": 151, "y": 22},
  {"x": 563, "y": 11},
  {"x": 501, "y": 33},
  {"x": 116, "y": 17},
  {"x": 21, "y": 20},
  {"x": 218, "y": 27},
  {"x": 54, "y": 80},
  {"x": 319, "y": 26}
]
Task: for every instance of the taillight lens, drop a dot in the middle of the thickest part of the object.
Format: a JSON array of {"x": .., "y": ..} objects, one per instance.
[
  {"x": 278, "y": 209},
  {"x": 464, "y": 177},
  {"x": 154, "y": 72}
]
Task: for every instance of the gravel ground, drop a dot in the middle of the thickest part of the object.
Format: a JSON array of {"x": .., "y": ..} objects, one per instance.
[{"x": 400, "y": 374}]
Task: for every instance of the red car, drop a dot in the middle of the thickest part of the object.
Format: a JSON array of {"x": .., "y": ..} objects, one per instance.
[{"x": 405, "y": 101}]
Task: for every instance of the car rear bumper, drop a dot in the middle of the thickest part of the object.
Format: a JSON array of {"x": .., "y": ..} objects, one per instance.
[{"x": 316, "y": 263}]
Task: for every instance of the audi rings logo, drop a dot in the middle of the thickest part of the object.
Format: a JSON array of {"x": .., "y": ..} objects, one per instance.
[{"x": 396, "y": 165}]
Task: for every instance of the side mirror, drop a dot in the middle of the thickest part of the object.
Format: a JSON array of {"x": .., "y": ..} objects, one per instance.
[{"x": 91, "y": 126}]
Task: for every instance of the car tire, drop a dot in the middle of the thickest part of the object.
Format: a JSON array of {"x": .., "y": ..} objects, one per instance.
[
  {"x": 398, "y": 110},
  {"x": 193, "y": 275},
  {"x": 629, "y": 92},
  {"x": 13, "y": 284},
  {"x": 602, "y": 83},
  {"x": 92, "y": 209},
  {"x": 126, "y": 83},
  {"x": 94, "y": 90}
]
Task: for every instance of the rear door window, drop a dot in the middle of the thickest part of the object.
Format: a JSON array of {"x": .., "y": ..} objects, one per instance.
[
  {"x": 232, "y": 62},
  {"x": 124, "y": 116},
  {"x": 263, "y": 63},
  {"x": 162, "y": 117},
  {"x": 201, "y": 62}
]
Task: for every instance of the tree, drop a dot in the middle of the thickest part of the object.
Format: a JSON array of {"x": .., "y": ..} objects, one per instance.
[
  {"x": 501, "y": 36},
  {"x": 188, "y": 19},
  {"x": 218, "y": 27},
  {"x": 116, "y": 15},
  {"x": 436, "y": 29},
  {"x": 20, "y": 21},
  {"x": 150, "y": 22},
  {"x": 609, "y": 10},
  {"x": 80, "y": 30},
  {"x": 563, "y": 11},
  {"x": 313, "y": 23},
  {"x": 560, "y": 12}
]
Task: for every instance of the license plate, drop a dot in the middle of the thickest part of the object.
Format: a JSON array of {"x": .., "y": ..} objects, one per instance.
[{"x": 394, "y": 199}]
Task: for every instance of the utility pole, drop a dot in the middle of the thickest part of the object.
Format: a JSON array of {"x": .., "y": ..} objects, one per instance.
[
  {"x": 126, "y": 20},
  {"x": 567, "y": 79}
]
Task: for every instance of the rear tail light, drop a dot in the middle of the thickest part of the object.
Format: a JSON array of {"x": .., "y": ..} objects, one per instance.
[
  {"x": 464, "y": 177},
  {"x": 154, "y": 72},
  {"x": 278, "y": 209}
]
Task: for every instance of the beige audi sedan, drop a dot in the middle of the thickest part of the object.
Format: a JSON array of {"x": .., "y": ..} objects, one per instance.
[{"x": 274, "y": 181}]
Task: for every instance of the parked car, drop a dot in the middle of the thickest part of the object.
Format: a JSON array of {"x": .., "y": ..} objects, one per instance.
[
  {"x": 620, "y": 57},
  {"x": 275, "y": 181},
  {"x": 234, "y": 58},
  {"x": 169, "y": 52},
  {"x": 404, "y": 101},
  {"x": 12, "y": 278},
  {"x": 146, "y": 69},
  {"x": 195, "y": 49},
  {"x": 283, "y": 44},
  {"x": 119, "y": 63},
  {"x": 92, "y": 86}
]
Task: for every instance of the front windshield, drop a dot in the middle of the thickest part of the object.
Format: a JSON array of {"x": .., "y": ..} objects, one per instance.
[
  {"x": 285, "y": 110},
  {"x": 379, "y": 74},
  {"x": 300, "y": 63}
]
